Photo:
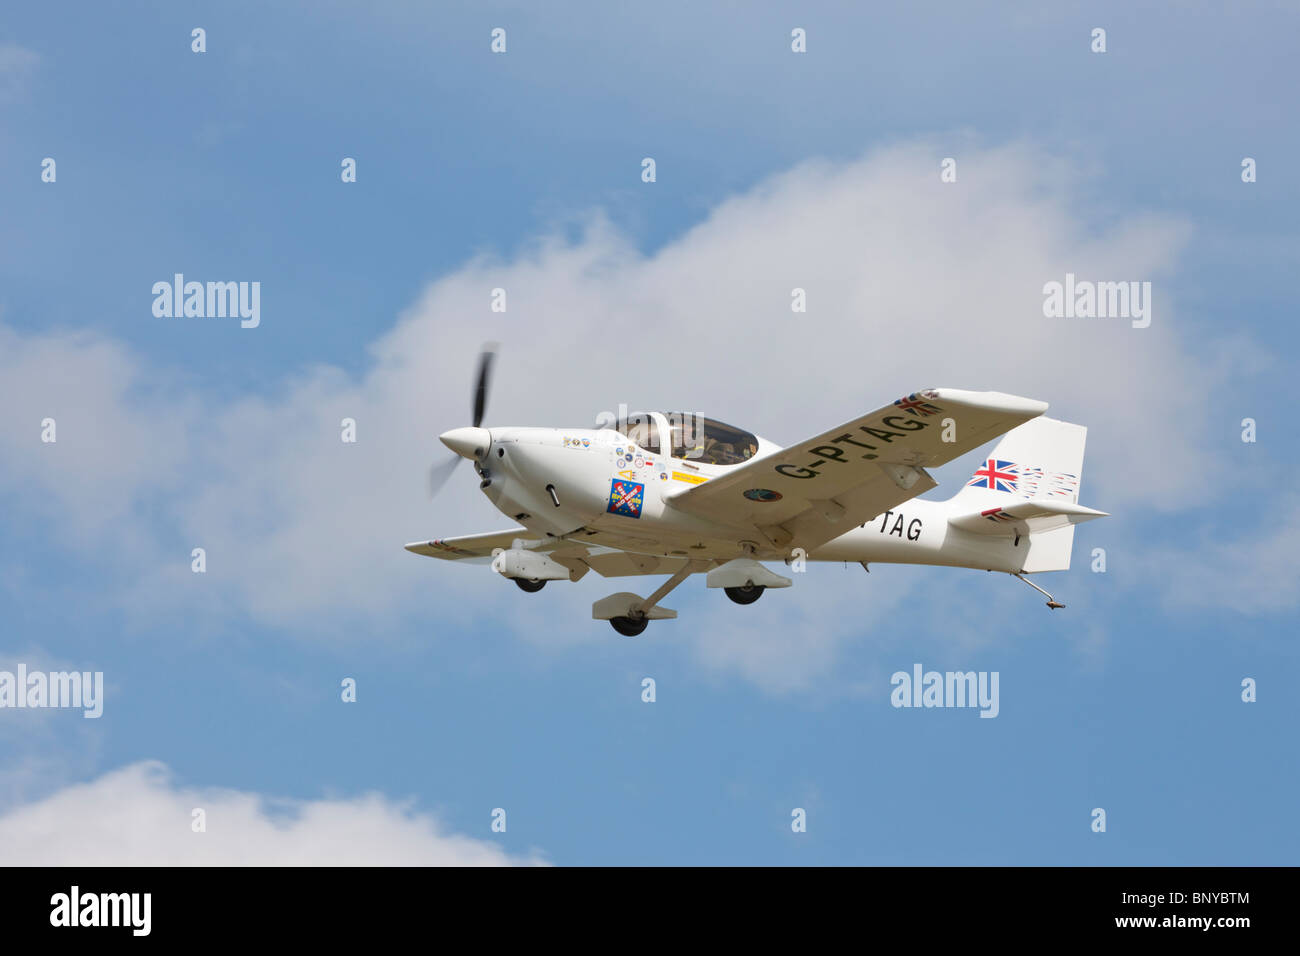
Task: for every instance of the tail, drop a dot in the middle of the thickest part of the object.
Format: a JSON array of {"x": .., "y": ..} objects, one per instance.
[{"x": 1029, "y": 485}]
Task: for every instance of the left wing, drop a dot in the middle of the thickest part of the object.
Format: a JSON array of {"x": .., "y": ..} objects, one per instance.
[
  {"x": 578, "y": 557},
  {"x": 805, "y": 495},
  {"x": 476, "y": 548}
]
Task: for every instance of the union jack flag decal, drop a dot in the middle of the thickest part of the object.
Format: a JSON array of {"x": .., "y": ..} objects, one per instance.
[
  {"x": 995, "y": 475},
  {"x": 915, "y": 404},
  {"x": 1037, "y": 482}
]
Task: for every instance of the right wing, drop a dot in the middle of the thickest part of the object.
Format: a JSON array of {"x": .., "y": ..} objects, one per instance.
[{"x": 809, "y": 493}]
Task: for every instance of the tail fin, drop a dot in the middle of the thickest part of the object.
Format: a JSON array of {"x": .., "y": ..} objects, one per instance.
[{"x": 1029, "y": 485}]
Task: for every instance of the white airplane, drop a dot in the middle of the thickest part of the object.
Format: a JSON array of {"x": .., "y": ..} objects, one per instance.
[{"x": 667, "y": 493}]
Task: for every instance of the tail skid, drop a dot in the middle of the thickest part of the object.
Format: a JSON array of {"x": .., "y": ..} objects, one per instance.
[{"x": 1051, "y": 601}]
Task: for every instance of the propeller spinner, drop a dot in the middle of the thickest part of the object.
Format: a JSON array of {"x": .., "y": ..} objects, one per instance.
[{"x": 472, "y": 441}]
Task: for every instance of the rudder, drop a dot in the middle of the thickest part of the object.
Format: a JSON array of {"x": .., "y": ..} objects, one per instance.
[{"x": 1041, "y": 460}]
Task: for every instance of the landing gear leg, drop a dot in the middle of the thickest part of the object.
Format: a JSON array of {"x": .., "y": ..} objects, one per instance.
[
  {"x": 640, "y": 611},
  {"x": 1051, "y": 601}
]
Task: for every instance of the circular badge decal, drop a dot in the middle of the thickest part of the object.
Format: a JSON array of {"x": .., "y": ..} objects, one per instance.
[{"x": 762, "y": 494}]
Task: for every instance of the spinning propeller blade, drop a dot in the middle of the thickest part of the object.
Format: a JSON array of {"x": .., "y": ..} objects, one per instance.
[
  {"x": 484, "y": 378},
  {"x": 439, "y": 473}
]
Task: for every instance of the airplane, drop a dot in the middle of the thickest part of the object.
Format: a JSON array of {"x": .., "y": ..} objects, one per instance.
[{"x": 681, "y": 494}]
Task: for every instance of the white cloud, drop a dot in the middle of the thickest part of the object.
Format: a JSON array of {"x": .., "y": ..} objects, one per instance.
[
  {"x": 119, "y": 439},
  {"x": 43, "y": 747},
  {"x": 17, "y": 64},
  {"x": 137, "y": 816},
  {"x": 910, "y": 282},
  {"x": 791, "y": 640}
]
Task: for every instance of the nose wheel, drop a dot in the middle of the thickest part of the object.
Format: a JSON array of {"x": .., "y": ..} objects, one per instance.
[
  {"x": 532, "y": 587},
  {"x": 747, "y": 594},
  {"x": 629, "y": 626}
]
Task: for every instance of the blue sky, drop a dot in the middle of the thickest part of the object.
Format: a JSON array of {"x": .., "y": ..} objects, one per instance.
[{"x": 523, "y": 169}]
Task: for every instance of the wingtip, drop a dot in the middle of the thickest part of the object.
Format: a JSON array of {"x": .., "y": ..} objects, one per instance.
[{"x": 992, "y": 401}]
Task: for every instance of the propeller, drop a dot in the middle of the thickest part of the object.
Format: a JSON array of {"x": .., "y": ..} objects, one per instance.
[
  {"x": 484, "y": 377},
  {"x": 439, "y": 473}
]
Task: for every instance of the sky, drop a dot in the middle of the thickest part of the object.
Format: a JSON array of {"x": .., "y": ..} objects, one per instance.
[{"x": 522, "y": 170}]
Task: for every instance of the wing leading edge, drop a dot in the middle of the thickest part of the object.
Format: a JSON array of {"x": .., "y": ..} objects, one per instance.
[{"x": 476, "y": 548}]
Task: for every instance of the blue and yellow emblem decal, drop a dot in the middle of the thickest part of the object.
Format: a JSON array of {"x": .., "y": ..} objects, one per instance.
[{"x": 625, "y": 498}]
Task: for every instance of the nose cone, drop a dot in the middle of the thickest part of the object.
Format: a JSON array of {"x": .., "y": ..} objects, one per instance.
[{"x": 467, "y": 442}]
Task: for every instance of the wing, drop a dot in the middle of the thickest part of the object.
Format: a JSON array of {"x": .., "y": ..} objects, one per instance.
[
  {"x": 476, "y": 548},
  {"x": 805, "y": 495},
  {"x": 578, "y": 557}
]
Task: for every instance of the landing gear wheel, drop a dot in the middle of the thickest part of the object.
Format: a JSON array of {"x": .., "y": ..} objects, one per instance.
[
  {"x": 746, "y": 595},
  {"x": 532, "y": 587},
  {"x": 629, "y": 626}
]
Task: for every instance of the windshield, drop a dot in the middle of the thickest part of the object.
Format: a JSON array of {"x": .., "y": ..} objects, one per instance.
[
  {"x": 644, "y": 434},
  {"x": 696, "y": 438},
  {"x": 693, "y": 437}
]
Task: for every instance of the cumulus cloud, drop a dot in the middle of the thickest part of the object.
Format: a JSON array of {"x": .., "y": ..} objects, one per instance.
[
  {"x": 138, "y": 816},
  {"x": 910, "y": 283},
  {"x": 17, "y": 64},
  {"x": 41, "y": 747},
  {"x": 119, "y": 435}
]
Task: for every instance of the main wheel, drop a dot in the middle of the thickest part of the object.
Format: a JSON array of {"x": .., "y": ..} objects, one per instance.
[
  {"x": 532, "y": 587},
  {"x": 746, "y": 595},
  {"x": 629, "y": 626}
]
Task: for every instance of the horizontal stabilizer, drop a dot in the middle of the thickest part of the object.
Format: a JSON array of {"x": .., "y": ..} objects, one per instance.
[{"x": 1024, "y": 516}]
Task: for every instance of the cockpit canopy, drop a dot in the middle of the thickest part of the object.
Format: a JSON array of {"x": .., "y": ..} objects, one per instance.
[{"x": 692, "y": 437}]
